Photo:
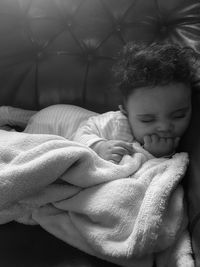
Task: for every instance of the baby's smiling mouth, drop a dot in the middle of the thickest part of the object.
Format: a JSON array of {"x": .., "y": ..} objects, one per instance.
[{"x": 165, "y": 136}]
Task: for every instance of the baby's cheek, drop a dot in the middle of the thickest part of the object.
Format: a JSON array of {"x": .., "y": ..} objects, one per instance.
[{"x": 180, "y": 128}]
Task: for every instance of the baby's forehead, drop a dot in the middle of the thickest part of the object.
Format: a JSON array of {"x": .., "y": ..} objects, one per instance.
[
  {"x": 156, "y": 106},
  {"x": 156, "y": 99}
]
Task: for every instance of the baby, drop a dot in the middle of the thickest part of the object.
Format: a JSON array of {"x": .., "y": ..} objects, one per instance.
[{"x": 155, "y": 82}]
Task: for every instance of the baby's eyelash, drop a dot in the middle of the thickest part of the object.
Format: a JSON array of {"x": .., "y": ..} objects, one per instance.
[
  {"x": 179, "y": 116},
  {"x": 147, "y": 121}
]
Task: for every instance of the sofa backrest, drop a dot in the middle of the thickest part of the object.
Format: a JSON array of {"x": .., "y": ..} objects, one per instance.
[{"x": 62, "y": 51}]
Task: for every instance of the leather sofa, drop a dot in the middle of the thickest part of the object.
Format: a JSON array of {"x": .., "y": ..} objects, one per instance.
[{"x": 62, "y": 51}]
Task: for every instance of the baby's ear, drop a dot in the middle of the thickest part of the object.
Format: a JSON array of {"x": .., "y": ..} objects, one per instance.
[{"x": 122, "y": 109}]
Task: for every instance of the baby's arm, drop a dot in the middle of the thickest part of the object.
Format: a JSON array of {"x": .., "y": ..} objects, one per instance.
[
  {"x": 95, "y": 135},
  {"x": 160, "y": 147},
  {"x": 88, "y": 133}
]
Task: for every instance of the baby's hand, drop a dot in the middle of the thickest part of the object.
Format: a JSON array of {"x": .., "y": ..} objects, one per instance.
[
  {"x": 113, "y": 150},
  {"x": 160, "y": 147}
]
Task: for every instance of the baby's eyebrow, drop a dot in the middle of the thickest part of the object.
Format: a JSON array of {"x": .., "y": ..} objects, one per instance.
[{"x": 184, "y": 109}]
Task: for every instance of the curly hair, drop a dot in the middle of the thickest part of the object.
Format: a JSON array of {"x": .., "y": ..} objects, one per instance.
[{"x": 142, "y": 65}]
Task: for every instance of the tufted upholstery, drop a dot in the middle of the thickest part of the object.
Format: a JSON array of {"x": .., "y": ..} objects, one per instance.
[{"x": 62, "y": 51}]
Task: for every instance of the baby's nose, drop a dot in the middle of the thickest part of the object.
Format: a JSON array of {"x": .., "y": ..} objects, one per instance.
[{"x": 164, "y": 126}]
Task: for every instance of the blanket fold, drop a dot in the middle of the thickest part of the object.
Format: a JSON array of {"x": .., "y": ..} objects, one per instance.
[{"x": 127, "y": 213}]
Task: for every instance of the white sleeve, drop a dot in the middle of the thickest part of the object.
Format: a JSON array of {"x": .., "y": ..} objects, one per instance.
[
  {"x": 112, "y": 125},
  {"x": 90, "y": 132},
  {"x": 15, "y": 116}
]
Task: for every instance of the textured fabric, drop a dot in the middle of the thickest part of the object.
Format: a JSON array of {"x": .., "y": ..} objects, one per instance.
[
  {"x": 62, "y": 120},
  {"x": 71, "y": 122},
  {"x": 111, "y": 125},
  {"x": 127, "y": 213}
]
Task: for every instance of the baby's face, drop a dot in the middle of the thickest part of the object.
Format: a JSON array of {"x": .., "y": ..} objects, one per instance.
[{"x": 161, "y": 110}]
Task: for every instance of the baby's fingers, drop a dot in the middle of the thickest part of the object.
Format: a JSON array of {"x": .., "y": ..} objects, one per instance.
[
  {"x": 155, "y": 138},
  {"x": 121, "y": 151},
  {"x": 147, "y": 139},
  {"x": 125, "y": 145},
  {"x": 116, "y": 158},
  {"x": 172, "y": 142},
  {"x": 168, "y": 141}
]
